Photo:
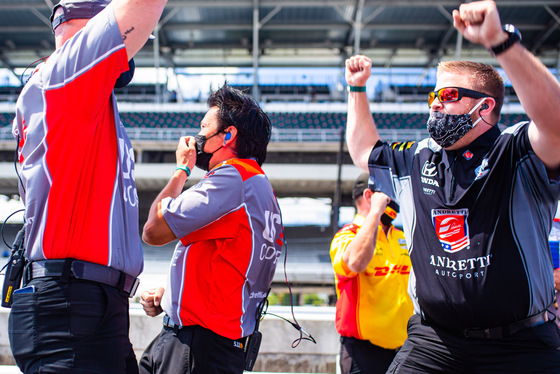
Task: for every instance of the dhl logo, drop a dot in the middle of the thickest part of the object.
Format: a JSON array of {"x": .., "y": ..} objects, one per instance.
[
  {"x": 383, "y": 271},
  {"x": 391, "y": 212}
]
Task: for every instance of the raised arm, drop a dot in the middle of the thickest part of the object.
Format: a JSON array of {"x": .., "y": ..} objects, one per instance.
[
  {"x": 359, "y": 252},
  {"x": 137, "y": 19},
  {"x": 156, "y": 230},
  {"x": 361, "y": 133},
  {"x": 537, "y": 89}
]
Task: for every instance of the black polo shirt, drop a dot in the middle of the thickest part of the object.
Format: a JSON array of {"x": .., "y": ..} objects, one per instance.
[{"x": 477, "y": 222}]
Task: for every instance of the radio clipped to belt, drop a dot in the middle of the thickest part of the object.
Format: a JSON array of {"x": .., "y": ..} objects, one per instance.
[
  {"x": 253, "y": 342},
  {"x": 14, "y": 269},
  {"x": 252, "y": 349}
]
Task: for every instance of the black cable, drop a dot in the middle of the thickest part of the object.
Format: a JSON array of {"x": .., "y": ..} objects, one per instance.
[
  {"x": 259, "y": 312},
  {"x": 17, "y": 211},
  {"x": 23, "y": 74},
  {"x": 16, "y": 159},
  {"x": 488, "y": 123},
  {"x": 301, "y": 330},
  {"x": 4, "y": 224},
  {"x": 295, "y": 323},
  {"x": 15, "y": 257}
]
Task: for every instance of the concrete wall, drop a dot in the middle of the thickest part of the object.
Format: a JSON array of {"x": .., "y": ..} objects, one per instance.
[
  {"x": 5, "y": 352},
  {"x": 276, "y": 353}
]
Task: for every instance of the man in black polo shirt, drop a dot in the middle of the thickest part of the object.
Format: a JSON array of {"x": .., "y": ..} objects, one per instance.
[{"x": 477, "y": 205}]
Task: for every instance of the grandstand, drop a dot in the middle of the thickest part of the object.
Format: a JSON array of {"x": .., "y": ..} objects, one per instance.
[
  {"x": 142, "y": 93},
  {"x": 155, "y": 128},
  {"x": 291, "y": 92},
  {"x": 9, "y": 93},
  {"x": 315, "y": 120},
  {"x": 410, "y": 93}
]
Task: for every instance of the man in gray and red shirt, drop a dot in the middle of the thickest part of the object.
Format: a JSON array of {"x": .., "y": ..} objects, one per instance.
[
  {"x": 81, "y": 205},
  {"x": 230, "y": 238}
]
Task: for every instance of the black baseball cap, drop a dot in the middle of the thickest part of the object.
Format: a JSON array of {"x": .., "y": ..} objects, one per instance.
[
  {"x": 77, "y": 9},
  {"x": 360, "y": 184}
]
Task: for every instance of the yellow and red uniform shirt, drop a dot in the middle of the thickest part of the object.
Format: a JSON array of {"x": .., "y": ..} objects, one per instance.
[{"x": 373, "y": 305}]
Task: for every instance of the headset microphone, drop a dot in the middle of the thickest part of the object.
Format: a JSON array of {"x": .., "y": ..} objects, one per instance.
[{"x": 228, "y": 137}]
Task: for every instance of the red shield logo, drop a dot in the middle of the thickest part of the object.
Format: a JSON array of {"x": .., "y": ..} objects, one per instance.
[{"x": 451, "y": 228}]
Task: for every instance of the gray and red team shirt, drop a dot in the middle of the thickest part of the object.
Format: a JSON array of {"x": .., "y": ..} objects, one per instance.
[
  {"x": 77, "y": 163},
  {"x": 477, "y": 223},
  {"x": 230, "y": 238}
]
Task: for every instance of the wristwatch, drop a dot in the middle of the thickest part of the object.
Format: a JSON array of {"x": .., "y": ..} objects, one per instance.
[{"x": 514, "y": 36}]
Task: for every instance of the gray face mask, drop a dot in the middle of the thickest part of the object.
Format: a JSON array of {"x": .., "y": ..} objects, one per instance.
[{"x": 447, "y": 129}]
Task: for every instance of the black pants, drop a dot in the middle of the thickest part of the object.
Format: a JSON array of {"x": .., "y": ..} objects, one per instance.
[
  {"x": 71, "y": 326},
  {"x": 192, "y": 350},
  {"x": 361, "y": 356},
  {"x": 429, "y": 349}
]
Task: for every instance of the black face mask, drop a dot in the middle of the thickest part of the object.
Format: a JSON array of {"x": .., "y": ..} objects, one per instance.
[
  {"x": 203, "y": 158},
  {"x": 390, "y": 213},
  {"x": 124, "y": 79},
  {"x": 446, "y": 129}
]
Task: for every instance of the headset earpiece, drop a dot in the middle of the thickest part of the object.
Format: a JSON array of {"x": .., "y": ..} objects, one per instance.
[
  {"x": 228, "y": 136},
  {"x": 484, "y": 106}
]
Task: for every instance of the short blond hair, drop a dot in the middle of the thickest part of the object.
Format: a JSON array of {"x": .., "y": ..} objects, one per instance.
[{"x": 483, "y": 78}]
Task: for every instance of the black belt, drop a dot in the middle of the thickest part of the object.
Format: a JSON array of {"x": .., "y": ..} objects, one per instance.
[
  {"x": 83, "y": 270},
  {"x": 500, "y": 332},
  {"x": 168, "y": 322}
]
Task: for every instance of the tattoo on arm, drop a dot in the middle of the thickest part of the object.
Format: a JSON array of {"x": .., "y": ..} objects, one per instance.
[{"x": 127, "y": 32}]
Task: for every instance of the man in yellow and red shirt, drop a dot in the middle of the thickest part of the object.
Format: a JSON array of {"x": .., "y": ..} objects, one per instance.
[{"x": 371, "y": 265}]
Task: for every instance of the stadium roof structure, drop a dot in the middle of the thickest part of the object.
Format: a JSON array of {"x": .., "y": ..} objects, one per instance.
[{"x": 295, "y": 33}]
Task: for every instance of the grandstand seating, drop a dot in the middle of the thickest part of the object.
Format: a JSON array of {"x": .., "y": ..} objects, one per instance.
[
  {"x": 143, "y": 93},
  {"x": 411, "y": 93},
  {"x": 273, "y": 92},
  {"x": 161, "y": 120},
  {"x": 6, "y": 119},
  {"x": 292, "y": 92},
  {"x": 9, "y": 93},
  {"x": 280, "y": 120},
  {"x": 510, "y": 95},
  {"x": 283, "y": 120}
]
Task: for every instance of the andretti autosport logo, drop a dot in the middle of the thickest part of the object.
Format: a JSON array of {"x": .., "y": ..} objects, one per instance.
[{"x": 451, "y": 228}]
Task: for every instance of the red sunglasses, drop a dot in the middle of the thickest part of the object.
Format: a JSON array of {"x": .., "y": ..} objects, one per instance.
[{"x": 448, "y": 94}]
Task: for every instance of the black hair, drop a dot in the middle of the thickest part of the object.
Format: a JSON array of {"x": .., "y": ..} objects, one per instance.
[{"x": 240, "y": 110}]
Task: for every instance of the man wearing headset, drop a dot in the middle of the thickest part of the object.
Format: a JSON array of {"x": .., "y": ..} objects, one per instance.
[
  {"x": 477, "y": 206},
  {"x": 77, "y": 173},
  {"x": 230, "y": 237}
]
